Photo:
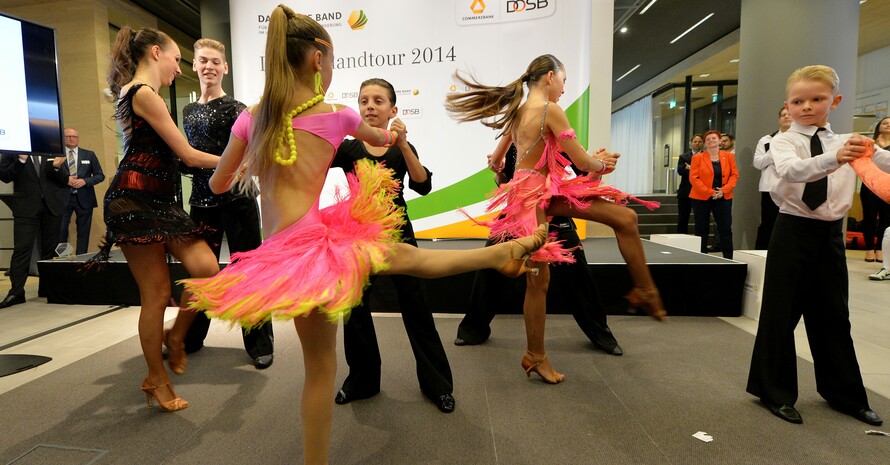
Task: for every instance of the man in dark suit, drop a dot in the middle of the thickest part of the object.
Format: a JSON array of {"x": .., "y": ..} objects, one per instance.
[
  {"x": 683, "y": 203},
  {"x": 40, "y": 187},
  {"x": 84, "y": 172}
]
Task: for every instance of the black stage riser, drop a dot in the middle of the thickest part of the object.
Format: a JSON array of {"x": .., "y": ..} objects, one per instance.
[{"x": 691, "y": 284}]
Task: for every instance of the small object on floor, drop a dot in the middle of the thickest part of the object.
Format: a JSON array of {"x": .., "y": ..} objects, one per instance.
[
  {"x": 344, "y": 397},
  {"x": 702, "y": 436},
  {"x": 444, "y": 402},
  {"x": 876, "y": 433},
  {"x": 11, "y": 300},
  {"x": 784, "y": 411},
  {"x": 881, "y": 275},
  {"x": 263, "y": 361}
]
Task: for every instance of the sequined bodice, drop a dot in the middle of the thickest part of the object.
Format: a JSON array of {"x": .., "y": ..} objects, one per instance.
[{"x": 207, "y": 127}]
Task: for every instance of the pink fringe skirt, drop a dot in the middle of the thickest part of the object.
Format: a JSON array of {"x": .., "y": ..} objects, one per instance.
[
  {"x": 323, "y": 261},
  {"x": 530, "y": 189}
]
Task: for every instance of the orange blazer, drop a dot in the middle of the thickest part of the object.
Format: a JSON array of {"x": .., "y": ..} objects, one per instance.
[{"x": 701, "y": 175}]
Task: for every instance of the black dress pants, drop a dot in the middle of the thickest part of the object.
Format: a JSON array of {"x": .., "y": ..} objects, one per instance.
[
  {"x": 768, "y": 213},
  {"x": 571, "y": 287},
  {"x": 43, "y": 225},
  {"x": 240, "y": 221},
  {"x": 363, "y": 352},
  {"x": 806, "y": 275},
  {"x": 722, "y": 210}
]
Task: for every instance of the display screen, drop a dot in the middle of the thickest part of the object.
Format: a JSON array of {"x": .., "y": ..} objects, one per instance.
[{"x": 31, "y": 119}]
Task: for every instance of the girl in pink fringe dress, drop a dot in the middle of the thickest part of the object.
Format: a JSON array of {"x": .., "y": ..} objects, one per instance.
[
  {"x": 315, "y": 263},
  {"x": 540, "y": 188}
]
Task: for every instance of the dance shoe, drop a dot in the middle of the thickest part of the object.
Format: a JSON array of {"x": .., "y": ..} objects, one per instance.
[
  {"x": 11, "y": 300},
  {"x": 444, "y": 402},
  {"x": 783, "y": 411},
  {"x": 263, "y": 361}
]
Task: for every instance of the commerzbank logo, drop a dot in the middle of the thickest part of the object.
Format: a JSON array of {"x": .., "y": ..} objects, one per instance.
[
  {"x": 357, "y": 20},
  {"x": 471, "y": 13}
]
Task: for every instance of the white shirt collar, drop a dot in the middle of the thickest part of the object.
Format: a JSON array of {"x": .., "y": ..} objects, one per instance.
[{"x": 809, "y": 130}]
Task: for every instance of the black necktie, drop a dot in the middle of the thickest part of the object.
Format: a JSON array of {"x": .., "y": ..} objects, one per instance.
[{"x": 815, "y": 193}]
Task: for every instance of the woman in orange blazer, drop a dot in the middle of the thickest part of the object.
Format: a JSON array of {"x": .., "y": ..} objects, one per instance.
[{"x": 713, "y": 175}]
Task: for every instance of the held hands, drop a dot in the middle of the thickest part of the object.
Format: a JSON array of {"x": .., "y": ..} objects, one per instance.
[
  {"x": 855, "y": 147},
  {"x": 401, "y": 132},
  {"x": 607, "y": 160},
  {"x": 718, "y": 193}
]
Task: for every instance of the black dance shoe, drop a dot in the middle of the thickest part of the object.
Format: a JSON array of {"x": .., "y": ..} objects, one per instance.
[
  {"x": 263, "y": 361},
  {"x": 444, "y": 402},
  {"x": 783, "y": 411},
  {"x": 345, "y": 397},
  {"x": 11, "y": 300}
]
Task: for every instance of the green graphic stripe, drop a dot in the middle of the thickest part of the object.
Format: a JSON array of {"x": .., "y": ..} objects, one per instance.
[{"x": 474, "y": 188}]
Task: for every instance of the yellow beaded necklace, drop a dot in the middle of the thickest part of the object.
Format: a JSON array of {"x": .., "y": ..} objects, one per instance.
[{"x": 288, "y": 127}]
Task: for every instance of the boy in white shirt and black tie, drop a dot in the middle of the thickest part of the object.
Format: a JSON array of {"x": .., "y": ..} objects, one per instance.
[{"x": 806, "y": 270}]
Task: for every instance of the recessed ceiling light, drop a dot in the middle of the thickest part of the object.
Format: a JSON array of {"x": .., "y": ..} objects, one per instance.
[
  {"x": 693, "y": 27},
  {"x": 860, "y": 2},
  {"x": 648, "y": 6},
  {"x": 704, "y": 75},
  {"x": 625, "y": 74},
  {"x": 623, "y": 30},
  {"x": 734, "y": 60}
]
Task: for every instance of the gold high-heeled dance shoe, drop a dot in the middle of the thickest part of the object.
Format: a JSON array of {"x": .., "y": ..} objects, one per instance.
[
  {"x": 517, "y": 266},
  {"x": 648, "y": 300},
  {"x": 176, "y": 357},
  {"x": 531, "y": 362},
  {"x": 172, "y": 405}
]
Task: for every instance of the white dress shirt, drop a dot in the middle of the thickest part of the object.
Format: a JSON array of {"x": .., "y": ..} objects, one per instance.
[
  {"x": 795, "y": 167},
  {"x": 763, "y": 160}
]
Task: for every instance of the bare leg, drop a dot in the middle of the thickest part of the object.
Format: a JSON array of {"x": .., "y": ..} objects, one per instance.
[
  {"x": 534, "y": 312},
  {"x": 199, "y": 261},
  {"x": 318, "y": 337},
  {"x": 425, "y": 263},
  {"x": 623, "y": 221},
  {"x": 148, "y": 264}
]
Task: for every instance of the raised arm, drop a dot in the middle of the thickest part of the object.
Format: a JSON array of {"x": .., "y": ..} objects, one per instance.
[
  {"x": 152, "y": 108},
  {"x": 601, "y": 163},
  {"x": 416, "y": 171}
]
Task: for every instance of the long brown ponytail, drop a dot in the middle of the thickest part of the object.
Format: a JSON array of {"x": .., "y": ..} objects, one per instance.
[
  {"x": 128, "y": 49},
  {"x": 289, "y": 39},
  {"x": 497, "y": 102}
]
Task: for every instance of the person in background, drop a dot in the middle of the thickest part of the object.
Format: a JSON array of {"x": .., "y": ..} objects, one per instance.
[
  {"x": 875, "y": 211},
  {"x": 884, "y": 273},
  {"x": 727, "y": 143},
  {"x": 713, "y": 176},
  {"x": 763, "y": 160},
  {"x": 684, "y": 161},
  {"x": 40, "y": 193},
  {"x": 84, "y": 172},
  {"x": 208, "y": 125}
]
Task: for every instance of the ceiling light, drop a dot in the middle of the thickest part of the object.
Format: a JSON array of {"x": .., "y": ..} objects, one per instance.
[
  {"x": 625, "y": 74},
  {"x": 704, "y": 75},
  {"x": 650, "y": 6},
  {"x": 734, "y": 60},
  {"x": 693, "y": 27},
  {"x": 695, "y": 88},
  {"x": 623, "y": 30},
  {"x": 860, "y": 2}
]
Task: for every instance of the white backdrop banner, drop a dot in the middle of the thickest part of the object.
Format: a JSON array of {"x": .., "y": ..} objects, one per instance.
[{"x": 417, "y": 46}]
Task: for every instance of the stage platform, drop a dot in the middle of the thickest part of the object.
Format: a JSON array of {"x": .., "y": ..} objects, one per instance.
[{"x": 691, "y": 284}]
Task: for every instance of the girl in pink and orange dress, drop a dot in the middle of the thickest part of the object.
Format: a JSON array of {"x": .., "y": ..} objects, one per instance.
[
  {"x": 315, "y": 263},
  {"x": 540, "y": 188}
]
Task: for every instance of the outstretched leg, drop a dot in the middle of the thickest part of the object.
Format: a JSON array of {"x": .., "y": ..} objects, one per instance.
[
  {"x": 318, "y": 338},
  {"x": 623, "y": 221},
  {"x": 426, "y": 263}
]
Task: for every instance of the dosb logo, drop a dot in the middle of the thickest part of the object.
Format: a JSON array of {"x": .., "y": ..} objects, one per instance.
[
  {"x": 411, "y": 112},
  {"x": 518, "y": 6},
  {"x": 349, "y": 95}
]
